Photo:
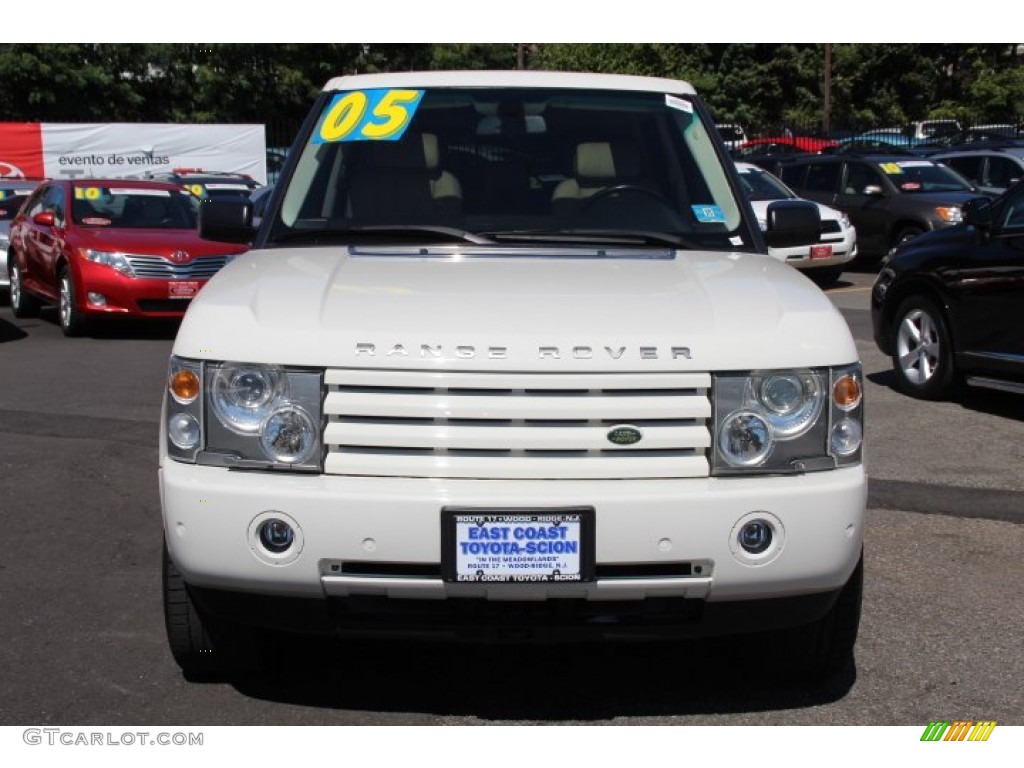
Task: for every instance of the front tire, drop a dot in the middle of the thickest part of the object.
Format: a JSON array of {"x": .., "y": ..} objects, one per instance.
[
  {"x": 907, "y": 233},
  {"x": 922, "y": 350},
  {"x": 824, "y": 649},
  {"x": 23, "y": 305},
  {"x": 72, "y": 322},
  {"x": 203, "y": 647}
]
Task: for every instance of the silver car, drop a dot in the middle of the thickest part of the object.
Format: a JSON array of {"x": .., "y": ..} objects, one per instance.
[{"x": 12, "y": 194}]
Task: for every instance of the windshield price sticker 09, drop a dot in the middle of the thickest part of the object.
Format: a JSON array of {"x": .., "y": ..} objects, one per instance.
[{"x": 519, "y": 547}]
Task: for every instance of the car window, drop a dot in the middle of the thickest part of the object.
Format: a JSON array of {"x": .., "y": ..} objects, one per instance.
[
  {"x": 761, "y": 185},
  {"x": 859, "y": 176},
  {"x": 506, "y": 161},
  {"x": 134, "y": 208},
  {"x": 54, "y": 202},
  {"x": 916, "y": 176},
  {"x": 11, "y": 200},
  {"x": 822, "y": 177},
  {"x": 968, "y": 167},
  {"x": 1003, "y": 172},
  {"x": 1012, "y": 215}
]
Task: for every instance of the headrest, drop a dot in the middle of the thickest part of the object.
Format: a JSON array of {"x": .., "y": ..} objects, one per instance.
[
  {"x": 604, "y": 160},
  {"x": 415, "y": 152}
]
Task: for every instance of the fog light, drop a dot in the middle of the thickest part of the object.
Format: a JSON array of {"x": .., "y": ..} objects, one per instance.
[
  {"x": 756, "y": 536},
  {"x": 183, "y": 430},
  {"x": 276, "y": 536},
  {"x": 97, "y": 299},
  {"x": 846, "y": 437}
]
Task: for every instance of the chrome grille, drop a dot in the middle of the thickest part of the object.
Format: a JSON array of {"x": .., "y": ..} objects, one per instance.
[
  {"x": 200, "y": 268},
  {"x": 515, "y": 426}
]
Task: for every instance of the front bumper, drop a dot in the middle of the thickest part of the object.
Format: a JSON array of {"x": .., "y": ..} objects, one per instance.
[
  {"x": 844, "y": 250},
  {"x": 364, "y": 537},
  {"x": 129, "y": 296}
]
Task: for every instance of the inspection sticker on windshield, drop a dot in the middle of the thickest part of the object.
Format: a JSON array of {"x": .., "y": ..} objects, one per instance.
[
  {"x": 892, "y": 169},
  {"x": 518, "y": 547},
  {"x": 708, "y": 214},
  {"x": 676, "y": 103},
  {"x": 377, "y": 114}
]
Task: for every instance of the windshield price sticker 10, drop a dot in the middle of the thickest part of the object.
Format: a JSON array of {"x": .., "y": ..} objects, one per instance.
[{"x": 377, "y": 114}]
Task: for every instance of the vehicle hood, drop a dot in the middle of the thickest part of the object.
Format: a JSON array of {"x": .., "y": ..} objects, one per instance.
[
  {"x": 682, "y": 311},
  {"x": 761, "y": 208},
  {"x": 155, "y": 242},
  {"x": 943, "y": 198}
]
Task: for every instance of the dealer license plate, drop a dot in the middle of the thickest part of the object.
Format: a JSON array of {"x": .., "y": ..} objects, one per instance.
[
  {"x": 518, "y": 546},
  {"x": 821, "y": 252},
  {"x": 182, "y": 289}
]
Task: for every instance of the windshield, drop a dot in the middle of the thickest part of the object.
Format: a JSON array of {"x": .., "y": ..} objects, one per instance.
[
  {"x": 924, "y": 176},
  {"x": 11, "y": 200},
  {"x": 503, "y": 163},
  {"x": 134, "y": 208},
  {"x": 761, "y": 185}
]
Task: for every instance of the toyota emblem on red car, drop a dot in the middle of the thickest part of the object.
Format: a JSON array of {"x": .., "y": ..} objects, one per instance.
[{"x": 180, "y": 257}]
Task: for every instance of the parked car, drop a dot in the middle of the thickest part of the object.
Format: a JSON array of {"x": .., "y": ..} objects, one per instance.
[
  {"x": 12, "y": 194},
  {"x": 210, "y": 185},
  {"x": 946, "y": 306},
  {"x": 772, "y": 153},
  {"x": 884, "y": 140},
  {"x": 993, "y": 170},
  {"x": 110, "y": 248},
  {"x": 890, "y": 198},
  {"x": 732, "y": 134},
  {"x": 931, "y": 129},
  {"x": 821, "y": 260}
]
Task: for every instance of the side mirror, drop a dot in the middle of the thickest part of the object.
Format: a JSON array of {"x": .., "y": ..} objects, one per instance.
[
  {"x": 873, "y": 190},
  {"x": 978, "y": 212},
  {"x": 44, "y": 219},
  {"x": 226, "y": 221},
  {"x": 792, "y": 222}
]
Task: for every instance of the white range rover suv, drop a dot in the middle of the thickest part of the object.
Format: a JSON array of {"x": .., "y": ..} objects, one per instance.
[{"x": 509, "y": 361}]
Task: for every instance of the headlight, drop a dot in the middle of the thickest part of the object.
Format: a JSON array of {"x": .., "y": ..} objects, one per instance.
[
  {"x": 243, "y": 395},
  {"x": 951, "y": 214},
  {"x": 791, "y": 400},
  {"x": 246, "y": 416},
  {"x": 109, "y": 258},
  {"x": 777, "y": 421}
]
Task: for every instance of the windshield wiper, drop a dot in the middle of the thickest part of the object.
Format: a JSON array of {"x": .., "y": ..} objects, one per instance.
[
  {"x": 601, "y": 236},
  {"x": 419, "y": 233}
]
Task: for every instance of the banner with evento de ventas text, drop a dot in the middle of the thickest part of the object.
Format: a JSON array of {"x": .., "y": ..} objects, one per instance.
[{"x": 129, "y": 150}]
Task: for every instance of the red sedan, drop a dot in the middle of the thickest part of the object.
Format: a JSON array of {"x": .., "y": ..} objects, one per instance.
[{"x": 100, "y": 247}]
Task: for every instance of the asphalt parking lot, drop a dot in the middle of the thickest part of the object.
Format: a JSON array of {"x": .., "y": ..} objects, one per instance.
[{"x": 82, "y": 639}]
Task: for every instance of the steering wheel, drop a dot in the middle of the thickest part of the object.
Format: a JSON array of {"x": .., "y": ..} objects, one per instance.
[{"x": 626, "y": 189}]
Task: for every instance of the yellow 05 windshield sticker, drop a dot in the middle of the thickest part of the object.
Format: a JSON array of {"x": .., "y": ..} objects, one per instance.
[
  {"x": 378, "y": 114},
  {"x": 893, "y": 169}
]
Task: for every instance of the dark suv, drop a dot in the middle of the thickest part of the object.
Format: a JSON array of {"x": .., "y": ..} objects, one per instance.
[
  {"x": 993, "y": 168},
  {"x": 210, "y": 185},
  {"x": 889, "y": 198}
]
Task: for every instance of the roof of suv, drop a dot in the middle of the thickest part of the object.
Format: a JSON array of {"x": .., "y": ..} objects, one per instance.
[
  {"x": 199, "y": 176},
  {"x": 509, "y": 79}
]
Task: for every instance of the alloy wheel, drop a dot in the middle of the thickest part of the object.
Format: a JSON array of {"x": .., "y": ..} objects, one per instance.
[{"x": 918, "y": 347}]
